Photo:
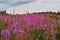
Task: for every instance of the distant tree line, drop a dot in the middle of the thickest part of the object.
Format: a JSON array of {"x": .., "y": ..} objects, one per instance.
[
  {"x": 58, "y": 13},
  {"x": 3, "y": 12}
]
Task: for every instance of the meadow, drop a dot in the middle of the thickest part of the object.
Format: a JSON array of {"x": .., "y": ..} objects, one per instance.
[{"x": 36, "y": 26}]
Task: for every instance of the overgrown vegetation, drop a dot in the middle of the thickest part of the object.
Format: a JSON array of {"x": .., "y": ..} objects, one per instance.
[
  {"x": 37, "y": 26},
  {"x": 3, "y": 12}
]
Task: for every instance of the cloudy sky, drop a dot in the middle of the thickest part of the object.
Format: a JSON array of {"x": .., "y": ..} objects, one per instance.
[{"x": 4, "y": 4}]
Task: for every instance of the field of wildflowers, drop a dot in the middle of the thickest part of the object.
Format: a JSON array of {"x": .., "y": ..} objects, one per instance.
[{"x": 30, "y": 27}]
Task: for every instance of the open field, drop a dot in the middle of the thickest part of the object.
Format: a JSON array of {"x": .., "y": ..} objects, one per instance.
[{"x": 36, "y": 26}]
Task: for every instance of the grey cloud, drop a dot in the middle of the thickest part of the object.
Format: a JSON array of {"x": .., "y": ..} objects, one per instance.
[{"x": 10, "y": 3}]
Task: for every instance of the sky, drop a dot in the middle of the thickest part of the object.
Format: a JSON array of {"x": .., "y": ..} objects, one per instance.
[{"x": 5, "y": 4}]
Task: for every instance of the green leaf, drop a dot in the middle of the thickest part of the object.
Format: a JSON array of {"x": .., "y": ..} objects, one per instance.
[
  {"x": 41, "y": 38},
  {"x": 14, "y": 37},
  {"x": 58, "y": 36}
]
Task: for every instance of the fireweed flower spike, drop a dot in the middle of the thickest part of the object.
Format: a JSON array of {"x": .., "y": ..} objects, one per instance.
[
  {"x": 17, "y": 24},
  {"x": 45, "y": 25},
  {"x": 50, "y": 25},
  {"x": 28, "y": 29},
  {"x": 19, "y": 33},
  {"x": 5, "y": 34}
]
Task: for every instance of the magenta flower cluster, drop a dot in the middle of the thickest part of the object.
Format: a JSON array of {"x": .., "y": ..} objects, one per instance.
[{"x": 29, "y": 26}]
